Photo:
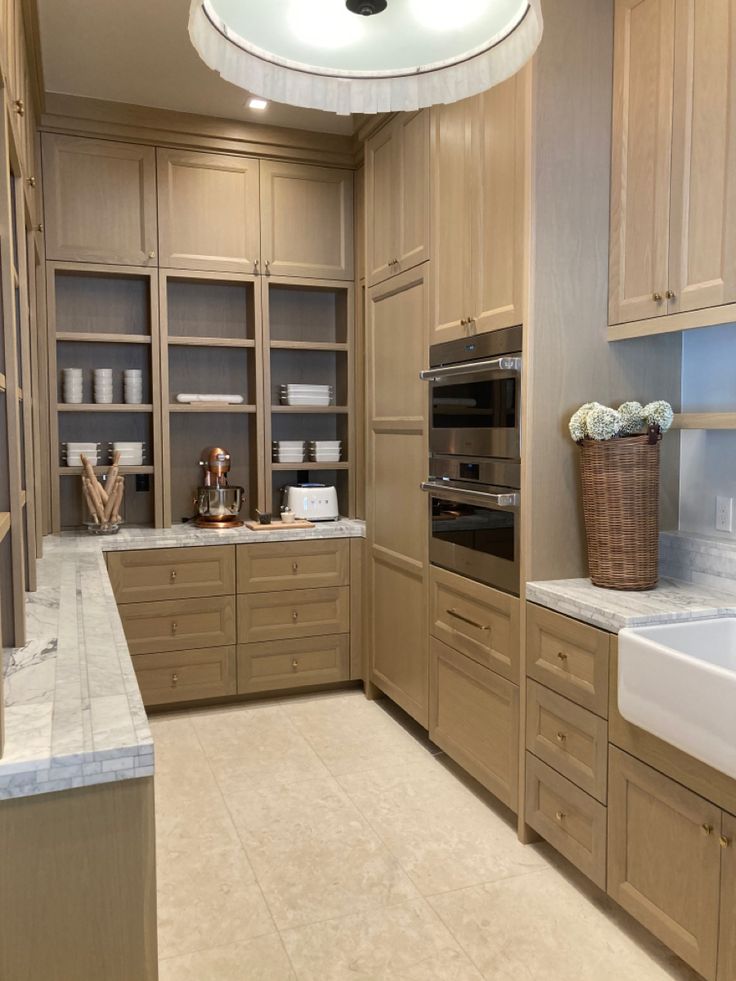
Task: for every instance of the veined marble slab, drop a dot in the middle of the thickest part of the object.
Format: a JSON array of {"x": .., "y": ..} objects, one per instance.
[
  {"x": 612, "y": 610},
  {"x": 73, "y": 710}
]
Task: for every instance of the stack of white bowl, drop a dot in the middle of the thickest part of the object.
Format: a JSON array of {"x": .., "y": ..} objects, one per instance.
[
  {"x": 72, "y": 384},
  {"x": 325, "y": 450},
  {"x": 131, "y": 454},
  {"x": 306, "y": 394},
  {"x": 73, "y": 453},
  {"x": 288, "y": 451},
  {"x": 103, "y": 385},
  {"x": 133, "y": 384}
]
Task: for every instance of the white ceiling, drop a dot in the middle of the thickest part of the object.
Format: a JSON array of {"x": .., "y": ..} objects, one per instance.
[{"x": 138, "y": 51}]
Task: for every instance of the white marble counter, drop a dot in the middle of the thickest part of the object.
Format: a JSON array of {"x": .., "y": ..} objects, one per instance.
[
  {"x": 672, "y": 600},
  {"x": 73, "y": 711}
]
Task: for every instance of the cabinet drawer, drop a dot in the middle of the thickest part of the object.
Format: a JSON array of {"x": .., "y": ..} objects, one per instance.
[
  {"x": 568, "y": 818},
  {"x": 476, "y": 620},
  {"x": 179, "y": 625},
  {"x": 293, "y": 565},
  {"x": 185, "y": 675},
  {"x": 293, "y": 613},
  {"x": 172, "y": 573},
  {"x": 569, "y": 738},
  {"x": 292, "y": 663},
  {"x": 474, "y": 717},
  {"x": 568, "y": 656}
]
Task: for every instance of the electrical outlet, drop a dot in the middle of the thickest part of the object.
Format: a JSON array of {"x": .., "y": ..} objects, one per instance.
[{"x": 724, "y": 514}]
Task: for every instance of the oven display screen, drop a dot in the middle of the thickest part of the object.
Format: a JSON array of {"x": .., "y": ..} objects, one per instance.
[
  {"x": 489, "y": 404},
  {"x": 479, "y": 529}
]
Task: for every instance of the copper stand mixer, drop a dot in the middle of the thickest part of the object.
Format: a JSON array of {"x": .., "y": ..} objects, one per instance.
[{"x": 218, "y": 505}]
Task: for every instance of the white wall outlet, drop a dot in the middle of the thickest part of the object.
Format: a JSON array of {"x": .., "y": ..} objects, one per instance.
[{"x": 724, "y": 514}]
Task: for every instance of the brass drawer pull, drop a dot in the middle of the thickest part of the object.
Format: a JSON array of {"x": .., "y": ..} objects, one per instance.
[
  {"x": 560, "y": 816},
  {"x": 464, "y": 619},
  {"x": 562, "y": 656},
  {"x": 294, "y": 615},
  {"x": 725, "y": 842},
  {"x": 561, "y": 737},
  {"x": 174, "y": 679},
  {"x": 172, "y": 575},
  {"x": 20, "y": 107},
  {"x": 657, "y": 297},
  {"x": 174, "y": 628},
  {"x": 707, "y": 829},
  {"x": 295, "y": 567},
  {"x": 295, "y": 665}
]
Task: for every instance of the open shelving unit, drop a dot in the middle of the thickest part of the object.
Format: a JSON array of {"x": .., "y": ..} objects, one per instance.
[{"x": 105, "y": 316}]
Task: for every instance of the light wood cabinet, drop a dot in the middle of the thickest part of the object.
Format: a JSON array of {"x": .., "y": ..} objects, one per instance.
[
  {"x": 185, "y": 676},
  {"x": 727, "y": 940},
  {"x": 172, "y": 573},
  {"x": 306, "y": 221},
  {"x": 673, "y": 198},
  {"x": 209, "y": 211},
  {"x": 179, "y": 625},
  {"x": 397, "y": 179},
  {"x": 664, "y": 859},
  {"x": 474, "y": 718},
  {"x": 293, "y": 663},
  {"x": 293, "y": 565},
  {"x": 291, "y": 614},
  {"x": 99, "y": 200},
  {"x": 478, "y": 211}
]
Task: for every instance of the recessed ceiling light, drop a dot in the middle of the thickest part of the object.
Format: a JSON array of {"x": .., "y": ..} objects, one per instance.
[{"x": 259, "y": 104}]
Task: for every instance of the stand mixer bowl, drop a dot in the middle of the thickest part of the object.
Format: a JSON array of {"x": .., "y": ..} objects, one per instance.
[{"x": 219, "y": 502}]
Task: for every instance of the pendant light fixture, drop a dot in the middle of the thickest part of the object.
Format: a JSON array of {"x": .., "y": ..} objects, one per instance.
[{"x": 365, "y": 56}]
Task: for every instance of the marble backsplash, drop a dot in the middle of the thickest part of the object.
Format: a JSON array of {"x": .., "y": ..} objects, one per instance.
[{"x": 698, "y": 559}]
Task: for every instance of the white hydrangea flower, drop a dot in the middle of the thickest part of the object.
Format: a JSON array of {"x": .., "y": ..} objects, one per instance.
[
  {"x": 603, "y": 423},
  {"x": 633, "y": 417},
  {"x": 577, "y": 420},
  {"x": 659, "y": 414}
]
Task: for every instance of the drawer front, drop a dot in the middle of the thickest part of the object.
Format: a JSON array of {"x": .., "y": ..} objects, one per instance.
[
  {"x": 185, "y": 675},
  {"x": 570, "y": 738},
  {"x": 568, "y": 818},
  {"x": 476, "y": 620},
  {"x": 474, "y": 718},
  {"x": 179, "y": 625},
  {"x": 264, "y": 568},
  {"x": 293, "y": 663},
  {"x": 172, "y": 573},
  {"x": 569, "y": 657},
  {"x": 293, "y": 613}
]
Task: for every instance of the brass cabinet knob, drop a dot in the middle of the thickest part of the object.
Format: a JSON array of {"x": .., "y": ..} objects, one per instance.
[
  {"x": 151, "y": 255},
  {"x": 32, "y": 181},
  {"x": 268, "y": 267},
  {"x": 561, "y": 656},
  {"x": 561, "y": 737},
  {"x": 174, "y": 628},
  {"x": 20, "y": 107},
  {"x": 172, "y": 575},
  {"x": 294, "y": 615},
  {"x": 39, "y": 228},
  {"x": 174, "y": 679},
  {"x": 255, "y": 266},
  {"x": 725, "y": 842},
  {"x": 295, "y": 567},
  {"x": 560, "y": 816},
  {"x": 657, "y": 297},
  {"x": 670, "y": 294},
  {"x": 295, "y": 665},
  {"x": 707, "y": 829}
]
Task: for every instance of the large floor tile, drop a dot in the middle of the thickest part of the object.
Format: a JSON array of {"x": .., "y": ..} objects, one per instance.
[
  {"x": 193, "y": 824},
  {"x": 406, "y": 942},
  {"x": 442, "y": 834},
  {"x": 542, "y": 927},
  {"x": 257, "y": 960}
]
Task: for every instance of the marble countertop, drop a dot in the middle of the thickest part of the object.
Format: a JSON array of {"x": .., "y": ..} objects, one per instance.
[
  {"x": 73, "y": 711},
  {"x": 672, "y": 600}
]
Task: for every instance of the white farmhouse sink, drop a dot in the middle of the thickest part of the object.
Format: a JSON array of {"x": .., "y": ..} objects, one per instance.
[{"x": 678, "y": 681}]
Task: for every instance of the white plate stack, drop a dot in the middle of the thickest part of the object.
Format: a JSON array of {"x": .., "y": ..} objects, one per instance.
[
  {"x": 306, "y": 395},
  {"x": 288, "y": 451},
  {"x": 72, "y": 384},
  {"x": 131, "y": 454},
  {"x": 103, "y": 385},
  {"x": 325, "y": 450},
  {"x": 133, "y": 386},
  {"x": 73, "y": 452}
]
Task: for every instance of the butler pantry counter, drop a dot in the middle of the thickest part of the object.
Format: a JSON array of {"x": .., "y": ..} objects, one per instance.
[{"x": 74, "y": 712}]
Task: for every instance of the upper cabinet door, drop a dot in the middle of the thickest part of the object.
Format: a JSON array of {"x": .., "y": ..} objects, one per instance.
[
  {"x": 381, "y": 202},
  {"x": 451, "y": 166},
  {"x": 412, "y": 182},
  {"x": 499, "y": 188},
  {"x": 642, "y": 145},
  {"x": 100, "y": 200},
  {"x": 703, "y": 217},
  {"x": 727, "y": 944},
  {"x": 208, "y": 211},
  {"x": 306, "y": 221}
]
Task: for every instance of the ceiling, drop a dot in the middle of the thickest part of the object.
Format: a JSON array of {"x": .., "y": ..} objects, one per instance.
[{"x": 139, "y": 52}]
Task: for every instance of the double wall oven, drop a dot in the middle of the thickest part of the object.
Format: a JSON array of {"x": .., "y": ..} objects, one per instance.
[{"x": 475, "y": 456}]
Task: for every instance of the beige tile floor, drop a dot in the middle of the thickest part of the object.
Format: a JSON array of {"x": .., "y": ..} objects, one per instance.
[{"x": 322, "y": 838}]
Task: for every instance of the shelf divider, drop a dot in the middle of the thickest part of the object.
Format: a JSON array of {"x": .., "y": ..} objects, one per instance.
[
  {"x": 100, "y": 338},
  {"x": 210, "y": 407},
  {"x": 307, "y": 346},
  {"x": 704, "y": 420},
  {"x": 211, "y": 342},
  {"x": 104, "y": 407}
]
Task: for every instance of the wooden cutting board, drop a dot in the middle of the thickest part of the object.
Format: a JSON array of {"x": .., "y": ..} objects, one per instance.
[{"x": 278, "y": 525}]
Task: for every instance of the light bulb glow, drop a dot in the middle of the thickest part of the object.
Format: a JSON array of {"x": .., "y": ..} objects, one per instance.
[
  {"x": 441, "y": 15},
  {"x": 259, "y": 104},
  {"x": 322, "y": 24}
]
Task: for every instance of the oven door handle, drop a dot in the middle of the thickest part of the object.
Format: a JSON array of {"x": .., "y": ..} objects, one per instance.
[
  {"x": 462, "y": 495},
  {"x": 503, "y": 363}
]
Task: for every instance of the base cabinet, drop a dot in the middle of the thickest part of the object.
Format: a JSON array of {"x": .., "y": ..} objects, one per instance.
[
  {"x": 474, "y": 718},
  {"x": 293, "y": 663},
  {"x": 185, "y": 676},
  {"x": 727, "y": 939}
]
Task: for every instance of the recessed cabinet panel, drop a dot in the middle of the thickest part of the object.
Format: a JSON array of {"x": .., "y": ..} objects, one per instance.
[
  {"x": 293, "y": 663},
  {"x": 381, "y": 204},
  {"x": 293, "y": 613},
  {"x": 292, "y": 565},
  {"x": 99, "y": 200},
  {"x": 727, "y": 942},
  {"x": 208, "y": 211},
  {"x": 172, "y": 573},
  {"x": 307, "y": 221},
  {"x": 185, "y": 675},
  {"x": 664, "y": 859},
  {"x": 179, "y": 625}
]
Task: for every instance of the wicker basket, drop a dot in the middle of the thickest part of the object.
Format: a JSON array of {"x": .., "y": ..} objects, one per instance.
[{"x": 621, "y": 506}]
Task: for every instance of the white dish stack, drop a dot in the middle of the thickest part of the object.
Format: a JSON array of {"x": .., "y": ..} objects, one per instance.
[
  {"x": 306, "y": 395},
  {"x": 325, "y": 450},
  {"x": 103, "y": 385},
  {"x": 72, "y": 384},
  {"x": 73, "y": 452},
  {"x": 133, "y": 386},
  {"x": 131, "y": 454},
  {"x": 288, "y": 451}
]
